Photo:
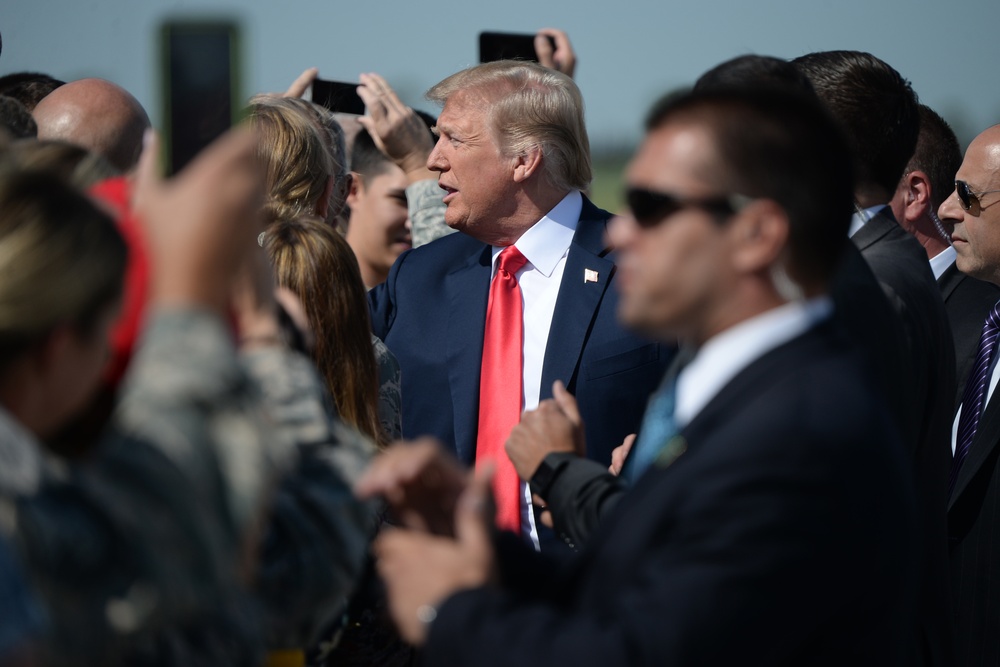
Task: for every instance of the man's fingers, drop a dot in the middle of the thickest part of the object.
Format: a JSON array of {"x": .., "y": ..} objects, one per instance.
[
  {"x": 148, "y": 170},
  {"x": 473, "y": 520},
  {"x": 566, "y": 402},
  {"x": 302, "y": 83},
  {"x": 544, "y": 51},
  {"x": 563, "y": 59},
  {"x": 620, "y": 454}
]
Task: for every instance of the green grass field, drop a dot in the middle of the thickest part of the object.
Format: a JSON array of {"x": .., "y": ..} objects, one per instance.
[{"x": 606, "y": 189}]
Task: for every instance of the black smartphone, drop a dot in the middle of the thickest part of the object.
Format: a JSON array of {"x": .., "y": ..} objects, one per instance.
[
  {"x": 200, "y": 65},
  {"x": 508, "y": 46},
  {"x": 338, "y": 96}
]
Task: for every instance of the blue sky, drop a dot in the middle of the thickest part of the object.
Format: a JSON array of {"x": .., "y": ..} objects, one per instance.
[{"x": 630, "y": 52}]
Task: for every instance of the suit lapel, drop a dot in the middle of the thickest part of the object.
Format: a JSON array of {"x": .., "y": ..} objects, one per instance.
[
  {"x": 983, "y": 445},
  {"x": 467, "y": 289},
  {"x": 584, "y": 283},
  {"x": 949, "y": 281},
  {"x": 872, "y": 231}
]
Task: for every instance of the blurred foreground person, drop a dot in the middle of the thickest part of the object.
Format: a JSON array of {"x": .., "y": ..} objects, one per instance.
[
  {"x": 740, "y": 539},
  {"x": 143, "y": 555}
]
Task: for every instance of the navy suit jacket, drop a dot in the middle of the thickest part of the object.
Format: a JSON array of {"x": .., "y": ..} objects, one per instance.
[
  {"x": 765, "y": 542},
  {"x": 431, "y": 314}
]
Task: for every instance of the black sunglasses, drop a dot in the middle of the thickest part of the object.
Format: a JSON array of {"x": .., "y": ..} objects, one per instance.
[
  {"x": 649, "y": 208},
  {"x": 967, "y": 196}
]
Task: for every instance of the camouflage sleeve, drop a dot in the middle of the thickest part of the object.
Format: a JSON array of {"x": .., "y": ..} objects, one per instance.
[
  {"x": 317, "y": 534},
  {"x": 142, "y": 554},
  {"x": 390, "y": 397},
  {"x": 425, "y": 201}
]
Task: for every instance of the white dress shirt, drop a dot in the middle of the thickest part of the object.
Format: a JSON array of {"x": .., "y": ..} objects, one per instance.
[
  {"x": 942, "y": 261},
  {"x": 723, "y": 356},
  {"x": 545, "y": 245}
]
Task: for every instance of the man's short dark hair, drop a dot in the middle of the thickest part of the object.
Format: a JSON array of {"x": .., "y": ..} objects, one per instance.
[
  {"x": 366, "y": 158},
  {"x": 875, "y": 106},
  {"x": 16, "y": 119},
  {"x": 28, "y": 88},
  {"x": 784, "y": 146},
  {"x": 937, "y": 155},
  {"x": 754, "y": 71}
]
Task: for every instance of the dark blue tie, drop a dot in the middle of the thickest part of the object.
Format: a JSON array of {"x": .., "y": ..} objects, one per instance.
[
  {"x": 974, "y": 396},
  {"x": 658, "y": 427}
]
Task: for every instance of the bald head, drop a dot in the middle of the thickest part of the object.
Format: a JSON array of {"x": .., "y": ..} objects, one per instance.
[{"x": 97, "y": 115}]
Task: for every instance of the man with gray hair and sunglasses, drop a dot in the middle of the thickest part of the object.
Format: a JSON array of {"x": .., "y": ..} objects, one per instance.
[{"x": 972, "y": 215}]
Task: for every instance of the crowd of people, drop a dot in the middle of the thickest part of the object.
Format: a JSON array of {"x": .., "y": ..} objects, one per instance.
[{"x": 391, "y": 390}]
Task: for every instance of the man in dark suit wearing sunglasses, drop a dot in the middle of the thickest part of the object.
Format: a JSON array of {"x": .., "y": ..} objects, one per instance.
[{"x": 972, "y": 214}]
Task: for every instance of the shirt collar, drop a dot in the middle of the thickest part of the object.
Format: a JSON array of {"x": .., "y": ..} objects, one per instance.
[
  {"x": 724, "y": 355},
  {"x": 545, "y": 242},
  {"x": 942, "y": 261}
]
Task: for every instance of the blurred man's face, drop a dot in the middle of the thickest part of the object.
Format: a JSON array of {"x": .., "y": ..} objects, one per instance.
[
  {"x": 477, "y": 179},
  {"x": 673, "y": 260},
  {"x": 379, "y": 227},
  {"x": 976, "y": 231}
]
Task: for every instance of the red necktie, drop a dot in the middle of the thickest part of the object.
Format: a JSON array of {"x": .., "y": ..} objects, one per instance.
[{"x": 500, "y": 386}]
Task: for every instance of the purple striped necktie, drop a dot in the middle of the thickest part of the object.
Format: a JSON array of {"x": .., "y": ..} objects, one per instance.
[{"x": 974, "y": 396}]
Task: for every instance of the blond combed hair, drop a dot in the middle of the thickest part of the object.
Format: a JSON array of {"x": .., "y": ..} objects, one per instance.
[{"x": 530, "y": 106}]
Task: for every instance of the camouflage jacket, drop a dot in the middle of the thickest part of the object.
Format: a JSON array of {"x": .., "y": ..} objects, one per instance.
[
  {"x": 317, "y": 534},
  {"x": 425, "y": 201}
]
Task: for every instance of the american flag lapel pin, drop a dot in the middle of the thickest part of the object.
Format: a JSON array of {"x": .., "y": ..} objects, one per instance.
[{"x": 589, "y": 276}]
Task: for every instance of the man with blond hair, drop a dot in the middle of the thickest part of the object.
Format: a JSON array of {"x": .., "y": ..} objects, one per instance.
[{"x": 485, "y": 321}]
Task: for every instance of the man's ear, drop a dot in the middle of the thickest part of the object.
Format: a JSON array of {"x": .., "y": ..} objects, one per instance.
[
  {"x": 915, "y": 189},
  {"x": 527, "y": 164},
  {"x": 916, "y": 195},
  {"x": 356, "y": 187},
  {"x": 760, "y": 232}
]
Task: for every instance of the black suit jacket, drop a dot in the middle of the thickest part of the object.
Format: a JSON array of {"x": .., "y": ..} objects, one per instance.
[
  {"x": 431, "y": 313},
  {"x": 973, "y": 518},
  {"x": 968, "y": 302},
  {"x": 767, "y": 542},
  {"x": 927, "y": 382}
]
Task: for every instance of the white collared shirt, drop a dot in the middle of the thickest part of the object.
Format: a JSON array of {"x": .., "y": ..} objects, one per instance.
[
  {"x": 724, "y": 355},
  {"x": 942, "y": 261},
  {"x": 545, "y": 245}
]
